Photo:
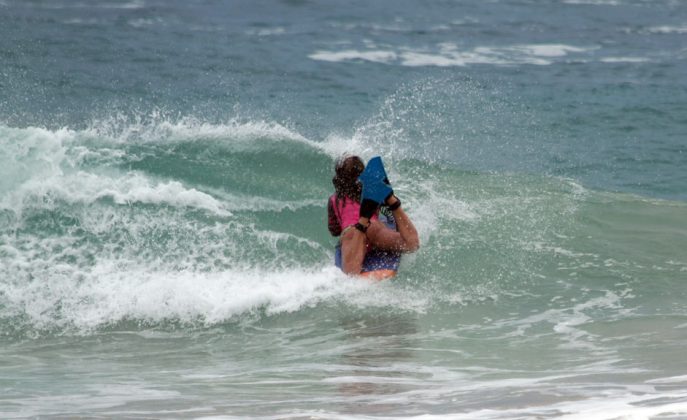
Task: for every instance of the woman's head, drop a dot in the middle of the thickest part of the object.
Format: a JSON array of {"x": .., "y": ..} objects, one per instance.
[{"x": 347, "y": 170}]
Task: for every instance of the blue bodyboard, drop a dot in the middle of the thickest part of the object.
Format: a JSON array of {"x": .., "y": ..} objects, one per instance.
[{"x": 372, "y": 178}]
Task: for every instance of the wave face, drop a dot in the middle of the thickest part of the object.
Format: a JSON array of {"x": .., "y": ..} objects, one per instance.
[
  {"x": 164, "y": 170},
  {"x": 203, "y": 224}
]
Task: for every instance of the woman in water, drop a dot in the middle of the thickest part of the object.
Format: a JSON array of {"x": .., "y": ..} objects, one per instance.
[{"x": 371, "y": 241}]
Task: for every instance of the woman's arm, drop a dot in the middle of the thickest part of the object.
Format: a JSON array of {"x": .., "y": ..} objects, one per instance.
[
  {"x": 354, "y": 242},
  {"x": 405, "y": 240}
]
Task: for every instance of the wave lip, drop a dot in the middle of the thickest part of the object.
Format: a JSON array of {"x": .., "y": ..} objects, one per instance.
[
  {"x": 156, "y": 128},
  {"x": 42, "y": 163},
  {"x": 85, "y": 165},
  {"x": 136, "y": 188}
]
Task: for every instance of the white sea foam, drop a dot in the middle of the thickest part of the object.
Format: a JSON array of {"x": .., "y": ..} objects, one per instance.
[
  {"x": 594, "y": 2},
  {"x": 543, "y": 247},
  {"x": 375, "y": 56},
  {"x": 135, "y": 4},
  {"x": 669, "y": 380},
  {"x": 668, "y": 29},
  {"x": 119, "y": 129},
  {"x": 625, "y": 406},
  {"x": 130, "y": 5},
  {"x": 132, "y": 187},
  {"x": 238, "y": 202},
  {"x": 80, "y": 21},
  {"x": 206, "y": 273},
  {"x": 33, "y": 150},
  {"x": 547, "y": 50},
  {"x": 567, "y": 322},
  {"x": 87, "y": 298},
  {"x": 399, "y": 26},
  {"x": 98, "y": 397},
  {"x": 553, "y": 397},
  {"x": 85, "y": 187},
  {"x": 267, "y": 31},
  {"x": 371, "y": 26},
  {"x": 625, "y": 60},
  {"x": 623, "y": 403},
  {"x": 448, "y": 54},
  {"x": 144, "y": 22},
  {"x": 31, "y": 153}
]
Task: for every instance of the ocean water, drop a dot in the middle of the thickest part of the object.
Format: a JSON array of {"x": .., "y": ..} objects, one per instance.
[{"x": 164, "y": 171}]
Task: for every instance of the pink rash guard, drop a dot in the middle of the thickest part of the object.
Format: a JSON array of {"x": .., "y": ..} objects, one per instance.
[{"x": 347, "y": 211}]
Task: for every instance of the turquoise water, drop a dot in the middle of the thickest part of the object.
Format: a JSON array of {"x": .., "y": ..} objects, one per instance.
[{"x": 165, "y": 170}]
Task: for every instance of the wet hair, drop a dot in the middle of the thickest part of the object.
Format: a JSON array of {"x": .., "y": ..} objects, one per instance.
[{"x": 347, "y": 170}]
